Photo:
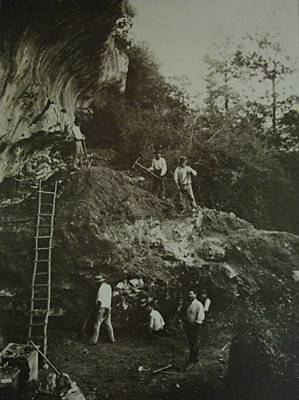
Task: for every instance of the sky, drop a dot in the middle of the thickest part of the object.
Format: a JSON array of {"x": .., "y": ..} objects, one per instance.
[{"x": 181, "y": 32}]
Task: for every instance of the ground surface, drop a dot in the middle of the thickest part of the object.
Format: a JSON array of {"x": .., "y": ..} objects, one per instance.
[{"x": 110, "y": 371}]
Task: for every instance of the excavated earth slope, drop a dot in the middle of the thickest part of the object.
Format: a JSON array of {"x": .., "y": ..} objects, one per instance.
[{"x": 105, "y": 224}]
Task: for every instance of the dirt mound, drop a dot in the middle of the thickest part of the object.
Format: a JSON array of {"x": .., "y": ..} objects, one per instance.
[{"x": 105, "y": 224}]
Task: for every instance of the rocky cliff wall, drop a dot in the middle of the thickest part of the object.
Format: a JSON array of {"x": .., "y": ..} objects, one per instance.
[{"x": 54, "y": 60}]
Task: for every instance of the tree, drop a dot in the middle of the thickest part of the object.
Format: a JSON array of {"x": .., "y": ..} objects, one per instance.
[
  {"x": 266, "y": 62},
  {"x": 222, "y": 73},
  {"x": 239, "y": 166}
]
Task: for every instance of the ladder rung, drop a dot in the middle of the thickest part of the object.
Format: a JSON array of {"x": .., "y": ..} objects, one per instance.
[
  {"x": 48, "y": 260},
  {"x": 36, "y": 337},
  {"x": 44, "y": 191},
  {"x": 46, "y": 204},
  {"x": 40, "y": 284},
  {"x": 45, "y": 215},
  {"x": 42, "y": 273},
  {"x": 39, "y": 299},
  {"x": 38, "y": 317},
  {"x": 43, "y": 248},
  {"x": 37, "y": 324},
  {"x": 42, "y": 237},
  {"x": 44, "y": 225}
]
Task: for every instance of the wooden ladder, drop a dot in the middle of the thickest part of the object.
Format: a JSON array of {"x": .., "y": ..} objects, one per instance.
[{"x": 41, "y": 279}]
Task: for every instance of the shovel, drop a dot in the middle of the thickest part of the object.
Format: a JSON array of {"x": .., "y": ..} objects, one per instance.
[{"x": 73, "y": 392}]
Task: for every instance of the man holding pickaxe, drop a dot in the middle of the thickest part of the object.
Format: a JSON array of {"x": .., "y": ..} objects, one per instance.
[{"x": 159, "y": 168}]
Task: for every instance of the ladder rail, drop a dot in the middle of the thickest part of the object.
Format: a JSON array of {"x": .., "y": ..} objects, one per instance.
[
  {"x": 36, "y": 257},
  {"x": 46, "y": 247},
  {"x": 50, "y": 269}
]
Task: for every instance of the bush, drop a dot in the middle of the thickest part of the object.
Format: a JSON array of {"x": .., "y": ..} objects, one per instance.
[{"x": 264, "y": 354}]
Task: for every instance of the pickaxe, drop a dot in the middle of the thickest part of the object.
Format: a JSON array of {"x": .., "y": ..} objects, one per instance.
[
  {"x": 142, "y": 369},
  {"x": 144, "y": 168},
  {"x": 156, "y": 371}
]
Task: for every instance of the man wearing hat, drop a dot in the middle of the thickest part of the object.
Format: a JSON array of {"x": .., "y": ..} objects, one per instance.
[
  {"x": 159, "y": 168},
  {"x": 103, "y": 303},
  {"x": 183, "y": 180}
]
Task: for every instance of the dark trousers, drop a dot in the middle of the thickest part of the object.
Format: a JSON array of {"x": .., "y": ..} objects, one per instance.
[
  {"x": 158, "y": 185},
  {"x": 192, "y": 331}
]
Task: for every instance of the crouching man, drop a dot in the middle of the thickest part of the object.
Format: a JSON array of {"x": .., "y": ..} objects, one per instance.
[
  {"x": 156, "y": 322},
  {"x": 103, "y": 303}
]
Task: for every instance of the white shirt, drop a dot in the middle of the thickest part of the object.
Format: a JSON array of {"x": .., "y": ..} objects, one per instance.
[
  {"x": 159, "y": 164},
  {"x": 104, "y": 295},
  {"x": 207, "y": 304},
  {"x": 156, "y": 321},
  {"x": 195, "y": 312},
  {"x": 182, "y": 175},
  {"x": 77, "y": 133}
]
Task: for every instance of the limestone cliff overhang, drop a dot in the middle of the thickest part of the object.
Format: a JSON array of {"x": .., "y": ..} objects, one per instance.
[{"x": 55, "y": 56}]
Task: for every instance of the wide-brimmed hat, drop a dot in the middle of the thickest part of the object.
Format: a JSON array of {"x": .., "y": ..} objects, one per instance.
[{"x": 99, "y": 278}]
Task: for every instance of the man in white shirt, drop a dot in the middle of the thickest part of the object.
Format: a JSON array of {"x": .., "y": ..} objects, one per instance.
[
  {"x": 103, "y": 303},
  {"x": 79, "y": 143},
  {"x": 159, "y": 168},
  {"x": 156, "y": 321},
  {"x": 194, "y": 318},
  {"x": 183, "y": 180}
]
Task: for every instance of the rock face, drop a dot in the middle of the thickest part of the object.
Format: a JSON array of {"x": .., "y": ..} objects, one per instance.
[{"x": 55, "y": 57}]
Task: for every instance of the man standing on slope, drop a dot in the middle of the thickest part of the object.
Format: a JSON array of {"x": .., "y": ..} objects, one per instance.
[
  {"x": 183, "y": 180},
  {"x": 103, "y": 303},
  {"x": 79, "y": 139},
  {"x": 194, "y": 318},
  {"x": 159, "y": 168}
]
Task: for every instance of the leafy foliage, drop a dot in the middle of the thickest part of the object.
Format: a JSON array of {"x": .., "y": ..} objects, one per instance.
[
  {"x": 243, "y": 165},
  {"x": 264, "y": 352},
  {"x": 151, "y": 113}
]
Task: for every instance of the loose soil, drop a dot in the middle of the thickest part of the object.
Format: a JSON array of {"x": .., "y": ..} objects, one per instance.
[{"x": 110, "y": 371}]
